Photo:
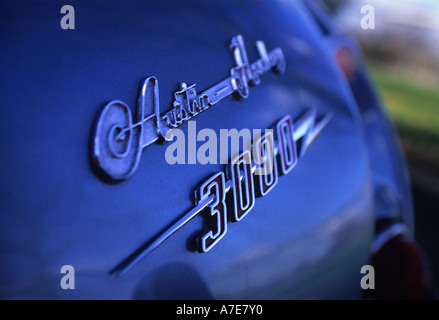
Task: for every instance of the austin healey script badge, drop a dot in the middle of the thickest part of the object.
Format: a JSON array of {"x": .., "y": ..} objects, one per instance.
[{"x": 118, "y": 141}]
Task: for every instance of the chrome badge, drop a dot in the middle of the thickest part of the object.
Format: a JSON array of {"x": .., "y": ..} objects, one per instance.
[
  {"x": 230, "y": 194},
  {"x": 119, "y": 141}
]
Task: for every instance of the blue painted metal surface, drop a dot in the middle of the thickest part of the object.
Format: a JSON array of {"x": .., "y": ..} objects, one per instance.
[{"x": 308, "y": 238}]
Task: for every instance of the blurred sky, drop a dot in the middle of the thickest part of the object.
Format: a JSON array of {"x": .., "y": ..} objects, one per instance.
[
  {"x": 410, "y": 27},
  {"x": 416, "y": 13}
]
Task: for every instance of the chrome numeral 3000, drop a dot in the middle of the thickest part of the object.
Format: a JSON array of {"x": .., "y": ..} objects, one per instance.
[{"x": 243, "y": 180}]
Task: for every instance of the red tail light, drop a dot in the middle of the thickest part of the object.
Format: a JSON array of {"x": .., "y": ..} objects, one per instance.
[
  {"x": 401, "y": 271},
  {"x": 346, "y": 61}
]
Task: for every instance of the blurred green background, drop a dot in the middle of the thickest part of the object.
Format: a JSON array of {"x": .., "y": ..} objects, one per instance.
[
  {"x": 414, "y": 108},
  {"x": 402, "y": 53}
]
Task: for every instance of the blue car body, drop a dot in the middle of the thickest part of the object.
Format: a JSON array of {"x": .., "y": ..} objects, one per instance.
[{"x": 307, "y": 238}]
